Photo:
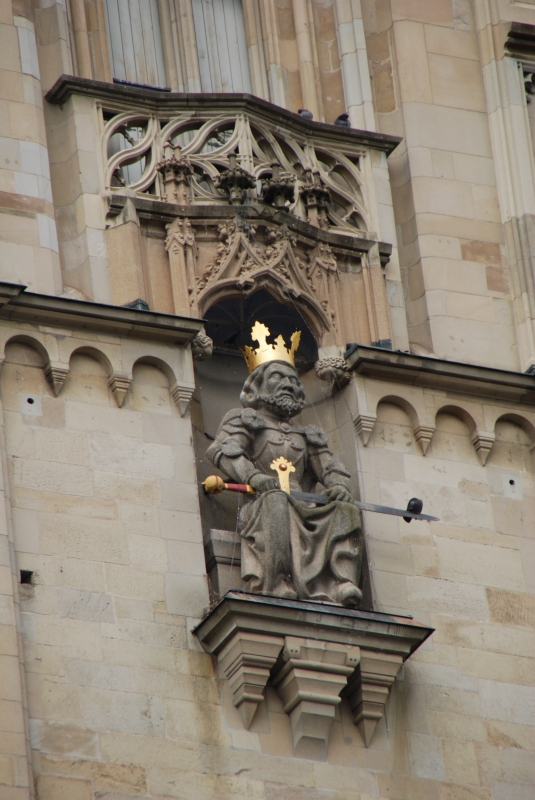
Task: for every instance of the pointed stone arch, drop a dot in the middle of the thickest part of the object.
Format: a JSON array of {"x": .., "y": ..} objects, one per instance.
[{"x": 243, "y": 267}]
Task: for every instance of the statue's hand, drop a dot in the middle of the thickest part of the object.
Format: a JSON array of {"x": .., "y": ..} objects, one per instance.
[
  {"x": 263, "y": 483},
  {"x": 340, "y": 493}
]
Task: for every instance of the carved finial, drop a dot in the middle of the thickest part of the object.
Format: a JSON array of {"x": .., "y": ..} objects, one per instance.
[
  {"x": 175, "y": 174},
  {"x": 202, "y": 347},
  {"x": 277, "y": 190},
  {"x": 235, "y": 181},
  {"x": 315, "y": 196}
]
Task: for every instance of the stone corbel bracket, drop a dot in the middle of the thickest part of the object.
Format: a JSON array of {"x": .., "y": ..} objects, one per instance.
[
  {"x": 423, "y": 435},
  {"x": 314, "y": 655},
  {"x": 364, "y": 424},
  {"x": 334, "y": 370},
  {"x": 483, "y": 442}
]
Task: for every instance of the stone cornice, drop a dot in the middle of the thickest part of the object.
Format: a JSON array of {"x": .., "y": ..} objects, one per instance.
[
  {"x": 121, "y": 97},
  {"x": 256, "y": 213},
  {"x": 521, "y": 41},
  {"x": 242, "y": 611},
  {"x": 439, "y": 373},
  {"x": 18, "y": 305}
]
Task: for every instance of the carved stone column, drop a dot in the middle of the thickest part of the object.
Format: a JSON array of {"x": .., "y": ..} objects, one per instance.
[
  {"x": 180, "y": 244},
  {"x": 309, "y": 684},
  {"x": 376, "y": 300}
]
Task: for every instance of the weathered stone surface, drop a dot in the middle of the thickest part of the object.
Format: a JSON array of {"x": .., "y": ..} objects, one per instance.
[
  {"x": 273, "y": 527},
  {"x": 99, "y": 479}
]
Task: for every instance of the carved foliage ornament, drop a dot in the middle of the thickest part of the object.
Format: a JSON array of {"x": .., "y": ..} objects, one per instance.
[
  {"x": 334, "y": 370},
  {"x": 247, "y": 258}
]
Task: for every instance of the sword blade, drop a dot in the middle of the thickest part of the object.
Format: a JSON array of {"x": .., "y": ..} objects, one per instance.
[{"x": 321, "y": 500}]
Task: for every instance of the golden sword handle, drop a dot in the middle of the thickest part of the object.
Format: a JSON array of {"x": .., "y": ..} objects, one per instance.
[{"x": 283, "y": 468}]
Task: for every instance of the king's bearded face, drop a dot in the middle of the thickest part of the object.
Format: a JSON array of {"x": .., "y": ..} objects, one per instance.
[{"x": 281, "y": 392}]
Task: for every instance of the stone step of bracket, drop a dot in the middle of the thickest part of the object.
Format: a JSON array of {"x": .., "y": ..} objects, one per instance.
[{"x": 315, "y": 655}]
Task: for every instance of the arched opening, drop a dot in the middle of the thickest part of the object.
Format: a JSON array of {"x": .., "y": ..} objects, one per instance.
[
  {"x": 150, "y": 387},
  {"x": 220, "y": 379},
  {"x": 512, "y": 449},
  {"x": 230, "y": 320},
  {"x": 229, "y": 324},
  {"x": 393, "y": 428},
  {"x": 452, "y": 437}
]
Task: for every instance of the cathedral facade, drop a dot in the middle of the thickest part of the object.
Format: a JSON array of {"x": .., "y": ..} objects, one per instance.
[{"x": 267, "y": 419}]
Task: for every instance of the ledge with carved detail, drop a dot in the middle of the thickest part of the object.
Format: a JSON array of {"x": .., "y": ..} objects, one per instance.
[
  {"x": 418, "y": 370},
  {"x": 315, "y": 655},
  {"x": 167, "y": 212},
  {"x": 155, "y": 100},
  {"x": 18, "y": 305},
  {"x": 221, "y": 149}
]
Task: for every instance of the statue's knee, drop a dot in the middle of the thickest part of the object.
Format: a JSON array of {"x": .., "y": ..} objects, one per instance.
[{"x": 276, "y": 499}]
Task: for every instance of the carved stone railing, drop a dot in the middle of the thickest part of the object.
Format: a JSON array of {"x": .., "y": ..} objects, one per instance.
[
  {"x": 210, "y": 149},
  {"x": 203, "y": 156}
]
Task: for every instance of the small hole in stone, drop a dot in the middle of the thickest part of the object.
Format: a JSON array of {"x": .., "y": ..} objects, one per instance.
[
  {"x": 511, "y": 482},
  {"x": 26, "y": 576},
  {"x": 30, "y": 400}
]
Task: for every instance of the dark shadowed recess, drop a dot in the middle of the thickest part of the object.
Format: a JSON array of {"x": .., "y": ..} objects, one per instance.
[{"x": 229, "y": 324}]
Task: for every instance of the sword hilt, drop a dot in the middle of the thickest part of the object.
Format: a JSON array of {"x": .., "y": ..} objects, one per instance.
[{"x": 214, "y": 484}]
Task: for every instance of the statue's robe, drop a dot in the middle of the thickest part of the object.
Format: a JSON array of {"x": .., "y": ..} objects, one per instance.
[{"x": 290, "y": 548}]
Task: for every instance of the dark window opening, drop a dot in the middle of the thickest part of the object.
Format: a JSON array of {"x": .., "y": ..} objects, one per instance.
[
  {"x": 26, "y": 576},
  {"x": 229, "y": 324}
]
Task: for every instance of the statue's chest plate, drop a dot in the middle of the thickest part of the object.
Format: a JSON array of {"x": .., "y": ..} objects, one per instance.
[{"x": 280, "y": 440}]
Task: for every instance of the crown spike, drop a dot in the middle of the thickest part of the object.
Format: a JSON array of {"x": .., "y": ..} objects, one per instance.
[{"x": 269, "y": 352}]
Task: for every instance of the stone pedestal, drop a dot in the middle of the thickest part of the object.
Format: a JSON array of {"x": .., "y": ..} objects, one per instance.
[
  {"x": 316, "y": 655},
  {"x": 222, "y": 551}
]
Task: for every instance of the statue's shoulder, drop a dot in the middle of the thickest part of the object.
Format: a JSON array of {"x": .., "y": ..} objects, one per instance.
[
  {"x": 252, "y": 419},
  {"x": 315, "y": 436},
  {"x": 240, "y": 418},
  {"x": 232, "y": 418}
]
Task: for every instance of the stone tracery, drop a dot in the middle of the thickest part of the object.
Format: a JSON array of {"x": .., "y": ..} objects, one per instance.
[{"x": 221, "y": 159}]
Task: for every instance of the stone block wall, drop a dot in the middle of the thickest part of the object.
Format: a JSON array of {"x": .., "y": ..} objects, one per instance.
[
  {"x": 28, "y": 237},
  {"x": 427, "y": 78},
  {"x": 123, "y": 703},
  {"x": 105, "y": 693}
]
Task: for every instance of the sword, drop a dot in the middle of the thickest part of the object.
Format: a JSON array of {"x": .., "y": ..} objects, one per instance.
[{"x": 214, "y": 485}]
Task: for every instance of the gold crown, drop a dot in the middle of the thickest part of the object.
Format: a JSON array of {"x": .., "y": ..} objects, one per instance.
[{"x": 269, "y": 352}]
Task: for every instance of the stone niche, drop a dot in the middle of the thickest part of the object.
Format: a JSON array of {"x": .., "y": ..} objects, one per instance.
[{"x": 315, "y": 655}]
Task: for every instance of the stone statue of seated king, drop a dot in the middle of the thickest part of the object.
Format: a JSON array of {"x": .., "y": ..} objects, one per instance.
[{"x": 289, "y": 548}]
